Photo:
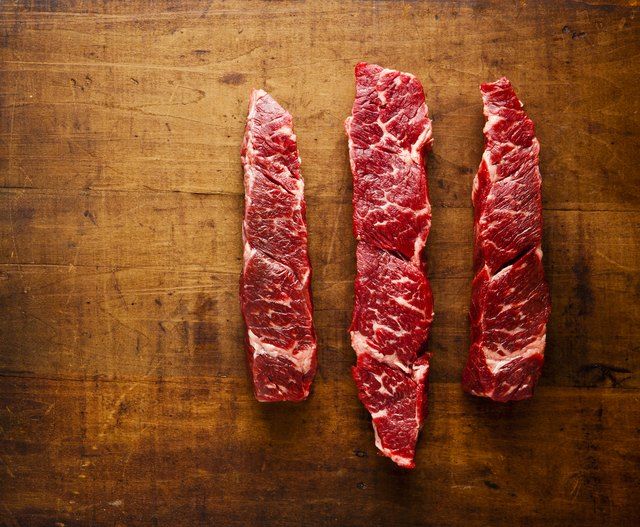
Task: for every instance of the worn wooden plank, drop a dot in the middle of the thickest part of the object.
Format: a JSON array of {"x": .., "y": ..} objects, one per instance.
[
  {"x": 124, "y": 397},
  {"x": 179, "y": 452},
  {"x": 172, "y": 111},
  {"x": 115, "y": 266}
]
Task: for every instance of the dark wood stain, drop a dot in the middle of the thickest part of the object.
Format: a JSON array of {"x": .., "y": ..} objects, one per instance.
[
  {"x": 233, "y": 78},
  {"x": 584, "y": 293},
  {"x": 599, "y": 374},
  {"x": 90, "y": 216}
]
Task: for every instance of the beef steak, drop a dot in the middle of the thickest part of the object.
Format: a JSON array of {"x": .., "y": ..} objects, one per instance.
[
  {"x": 275, "y": 283},
  {"x": 388, "y": 131},
  {"x": 510, "y": 298}
]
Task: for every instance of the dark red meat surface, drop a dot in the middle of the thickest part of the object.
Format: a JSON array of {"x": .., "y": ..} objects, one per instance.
[
  {"x": 275, "y": 284},
  {"x": 510, "y": 299},
  {"x": 388, "y": 131}
]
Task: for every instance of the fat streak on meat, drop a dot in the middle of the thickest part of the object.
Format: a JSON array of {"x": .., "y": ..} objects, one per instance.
[
  {"x": 275, "y": 284},
  {"x": 510, "y": 298},
  {"x": 388, "y": 132}
]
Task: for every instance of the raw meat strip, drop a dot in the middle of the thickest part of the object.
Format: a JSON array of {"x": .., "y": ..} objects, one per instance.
[
  {"x": 510, "y": 299},
  {"x": 275, "y": 284},
  {"x": 388, "y": 131}
]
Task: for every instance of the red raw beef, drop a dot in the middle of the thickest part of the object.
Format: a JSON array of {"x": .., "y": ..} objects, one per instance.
[
  {"x": 275, "y": 284},
  {"x": 510, "y": 298},
  {"x": 388, "y": 131}
]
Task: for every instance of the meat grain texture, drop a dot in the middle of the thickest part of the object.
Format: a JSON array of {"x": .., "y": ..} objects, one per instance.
[
  {"x": 388, "y": 132},
  {"x": 510, "y": 301},
  {"x": 275, "y": 283}
]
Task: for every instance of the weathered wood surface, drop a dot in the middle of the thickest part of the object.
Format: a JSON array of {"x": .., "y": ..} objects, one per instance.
[{"x": 123, "y": 390}]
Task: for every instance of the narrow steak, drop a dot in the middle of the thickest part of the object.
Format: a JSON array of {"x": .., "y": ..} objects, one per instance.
[
  {"x": 275, "y": 283},
  {"x": 510, "y": 299},
  {"x": 388, "y": 131}
]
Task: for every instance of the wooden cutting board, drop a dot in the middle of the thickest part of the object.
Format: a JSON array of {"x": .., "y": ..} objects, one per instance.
[{"x": 123, "y": 389}]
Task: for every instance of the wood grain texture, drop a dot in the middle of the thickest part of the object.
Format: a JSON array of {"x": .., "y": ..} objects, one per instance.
[{"x": 123, "y": 389}]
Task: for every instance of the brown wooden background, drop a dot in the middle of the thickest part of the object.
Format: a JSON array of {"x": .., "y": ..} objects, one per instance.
[{"x": 123, "y": 393}]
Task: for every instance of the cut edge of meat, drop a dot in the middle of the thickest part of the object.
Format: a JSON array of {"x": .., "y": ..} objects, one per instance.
[
  {"x": 492, "y": 382},
  {"x": 413, "y": 396}
]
